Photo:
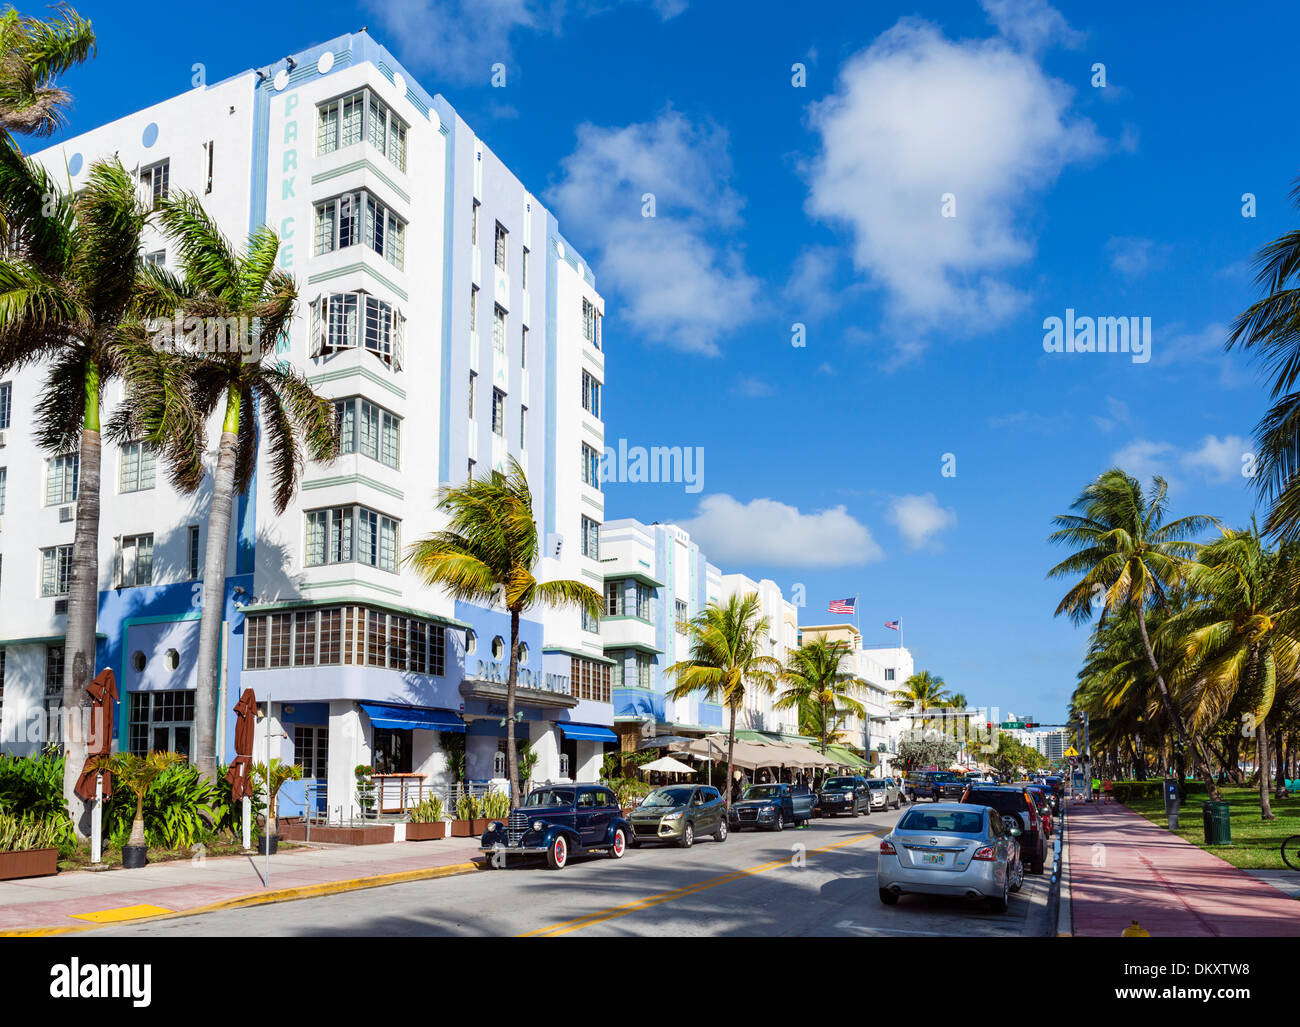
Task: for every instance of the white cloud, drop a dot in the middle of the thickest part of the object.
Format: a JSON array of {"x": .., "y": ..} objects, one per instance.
[
  {"x": 752, "y": 388},
  {"x": 1032, "y": 24},
  {"x": 1116, "y": 413},
  {"x": 916, "y": 116},
  {"x": 1133, "y": 257},
  {"x": 768, "y": 532},
  {"x": 461, "y": 40},
  {"x": 1217, "y": 461},
  {"x": 677, "y": 281},
  {"x": 1144, "y": 459},
  {"x": 919, "y": 519}
]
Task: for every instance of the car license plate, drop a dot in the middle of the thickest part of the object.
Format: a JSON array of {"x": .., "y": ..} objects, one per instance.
[{"x": 932, "y": 857}]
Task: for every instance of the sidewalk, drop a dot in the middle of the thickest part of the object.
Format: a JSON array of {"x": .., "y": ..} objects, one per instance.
[
  {"x": 1124, "y": 868},
  {"x": 62, "y": 903}
]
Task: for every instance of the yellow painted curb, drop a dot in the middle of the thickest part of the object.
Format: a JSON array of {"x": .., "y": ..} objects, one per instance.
[{"x": 306, "y": 891}]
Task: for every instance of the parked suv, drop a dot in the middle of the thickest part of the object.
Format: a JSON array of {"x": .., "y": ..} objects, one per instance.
[
  {"x": 844, "y": 795},
  {"x": 772, "y": 806},
  {"x": 884, "y": 793},
  {"x": 679, "y": 814},
  {"x": 935, "y": 785},
  {"x": 560, "y": 821},
  {"x": 1010, "y": 800}
]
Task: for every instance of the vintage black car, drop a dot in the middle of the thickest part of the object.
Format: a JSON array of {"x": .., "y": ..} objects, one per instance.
[
  {"x": 773, "y": 806},
  {"x": 559, "y": 822}
]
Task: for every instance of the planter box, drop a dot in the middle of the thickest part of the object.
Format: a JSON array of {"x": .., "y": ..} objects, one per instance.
[
  {"x": 480, "y": 825},
  {"x": 426, "y": 832},
  {"x": 377, "y": 835},
  {"x": 28, "y": 863},
  {"x": 462, "y": 828}
]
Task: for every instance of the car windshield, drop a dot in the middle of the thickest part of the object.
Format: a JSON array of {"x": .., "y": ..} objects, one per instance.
[
  {"x": 945, "y": 821},
  {"x": 838, "y": 783},
  {"x": 668, "y": 797},
  {"x": 550, "y": 797},
  {"x": 875, "y": 784},
  {"x": 762, "y": 792},
  {"x": 1003, "y": 802},
  {"x": 943, "y": 775}
]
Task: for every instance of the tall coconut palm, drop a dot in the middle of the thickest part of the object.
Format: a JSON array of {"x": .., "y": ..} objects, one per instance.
[
  {"x": 241, "y": 304},
  {"x": 922, "y": 691},
  {"x": 71, "y": 300},
  {"x": 814, "y": 680},
  {"x": 33, "y": 54},
  {"x": 726, "y": 663},
  {"x": 1242, "y": 637},
  {"x": 1127, "y": 558},
  {"x": 487, "y": 554}
]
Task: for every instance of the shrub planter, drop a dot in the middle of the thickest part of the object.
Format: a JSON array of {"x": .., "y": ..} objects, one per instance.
[
  {"x": 478, "y": 826},
  {"x": 426, "y": 832},
  {"x": 273, "y": 841},
  {"x": 462, "y": 828},
  {"x": 28, "y": 863},
  {"x": 377, "y": 834},
  {"x": 134, "y": 856}
]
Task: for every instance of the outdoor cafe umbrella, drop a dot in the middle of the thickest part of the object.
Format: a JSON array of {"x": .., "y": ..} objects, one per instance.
[
  {"x": 245, "y": 728},
  {"x": 668, "y": 765},
  {"x": 103, "y": 687}
]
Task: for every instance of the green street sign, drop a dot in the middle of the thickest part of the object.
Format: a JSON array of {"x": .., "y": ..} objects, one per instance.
[{"x": 1013, "y": 725}]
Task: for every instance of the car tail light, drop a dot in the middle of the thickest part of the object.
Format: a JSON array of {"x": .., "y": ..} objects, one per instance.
[
  {"x": 1033, "y": 813},
  {"x": 887, "y": 848},
  {"x": 985, "y": 853}
]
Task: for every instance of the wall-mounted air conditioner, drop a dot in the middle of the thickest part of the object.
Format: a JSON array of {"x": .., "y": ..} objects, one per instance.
[
  {"x": 65, "y": 514},
  {"x": 60, "y": 606}
]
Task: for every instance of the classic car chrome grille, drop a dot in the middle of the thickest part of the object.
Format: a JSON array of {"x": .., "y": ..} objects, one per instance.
[{"x": 517, "y": 827}]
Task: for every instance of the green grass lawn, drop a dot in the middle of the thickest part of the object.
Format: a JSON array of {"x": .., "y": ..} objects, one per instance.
[{"x": 1256, "y": 845}]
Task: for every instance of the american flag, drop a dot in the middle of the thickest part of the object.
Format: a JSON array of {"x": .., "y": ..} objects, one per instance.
[
  {"x": 842, "y": 605},
  {"x": 892, "y": 625}
]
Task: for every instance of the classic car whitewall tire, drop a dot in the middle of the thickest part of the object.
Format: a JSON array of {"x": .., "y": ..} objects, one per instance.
[
  {"x": 557, "y": 854},
  {"x": 620, "y": 844}
]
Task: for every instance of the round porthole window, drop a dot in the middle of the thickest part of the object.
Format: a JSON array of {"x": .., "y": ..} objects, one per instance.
[
  {"x": 523, "y": 652},
  {"x": 138, "y": 661},
  {"x": 471, "y": 641},
  {"x": 498, "y": 647},
  {"x": 173, "y": 659}
]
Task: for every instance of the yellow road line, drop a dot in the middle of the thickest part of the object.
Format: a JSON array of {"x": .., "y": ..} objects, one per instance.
[{"x": 568, "y": 926}]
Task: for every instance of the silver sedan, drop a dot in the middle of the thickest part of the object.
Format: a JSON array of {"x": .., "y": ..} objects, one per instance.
[{"x": 951, "y": 848}]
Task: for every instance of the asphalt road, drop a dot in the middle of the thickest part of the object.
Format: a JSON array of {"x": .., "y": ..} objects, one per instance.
[{"x": 818, "y": 881}]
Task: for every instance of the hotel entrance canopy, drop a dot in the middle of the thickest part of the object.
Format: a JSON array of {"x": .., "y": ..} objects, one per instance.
[
  {"x": 405, "y": 718},
  {"x": 588, "y": 733}
]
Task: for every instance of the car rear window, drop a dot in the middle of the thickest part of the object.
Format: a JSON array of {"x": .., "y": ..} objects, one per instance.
[
  {"x": 945, "y": 821},
  {"x": 1003, "y": 802}
]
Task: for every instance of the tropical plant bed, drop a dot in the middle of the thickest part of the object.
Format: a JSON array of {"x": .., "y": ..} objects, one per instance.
[
  {"x": 112, "y": 857},
  {"x": 469, "y": 828},
  {"x": 28, "y": 863},
  {"x": 376, "y": 835},
  {"x": 425, "y": 832},
  {"x": 1256, "y": 844}
]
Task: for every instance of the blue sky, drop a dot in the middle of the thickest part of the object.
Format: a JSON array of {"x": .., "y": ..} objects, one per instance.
[{"x": 822, "y": 205}]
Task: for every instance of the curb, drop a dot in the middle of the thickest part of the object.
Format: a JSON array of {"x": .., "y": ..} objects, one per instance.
[
  {"x": 1064, "y": 905},
  {"x": 307, "y": 891}
]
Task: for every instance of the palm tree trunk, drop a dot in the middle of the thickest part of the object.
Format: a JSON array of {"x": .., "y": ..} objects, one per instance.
[
  {"x": 1198, "y": 757},
  {"x": 83, "y": 610},
  {"x": 731, "y": 766},
  {"x": 823, "y": 728},
  {"x": 512, "y": 756},
  {"x": 137, "y": 825},
  {"x": 214, "y": 593},
  {"x": 1279, "y": 782},
  {"x": 1264, "y": 758}
]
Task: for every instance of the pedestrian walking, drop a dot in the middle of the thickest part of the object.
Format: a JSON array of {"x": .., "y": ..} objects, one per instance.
[{"x": 1108, "y": 786}]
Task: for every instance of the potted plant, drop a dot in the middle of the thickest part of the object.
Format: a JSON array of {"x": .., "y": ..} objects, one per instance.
[
  {"x": 468, "y": 814},
  {"x": 365, "y": 776},
  {"x": 281, "y": 773},
  {"x": 29, "y": 847},
  {"x": 137, "y": 774},
  {"x": 495, "y": 806},
  {"x": 426, "y": 820}
]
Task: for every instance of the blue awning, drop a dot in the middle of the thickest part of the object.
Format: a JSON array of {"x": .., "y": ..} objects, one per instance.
[
  {"x": 588, "y": 733},
  {"x": 405, "y": 718}
]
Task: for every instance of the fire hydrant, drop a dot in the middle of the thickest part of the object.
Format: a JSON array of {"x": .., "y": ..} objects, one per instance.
[{"x": 1135, "y": 930}]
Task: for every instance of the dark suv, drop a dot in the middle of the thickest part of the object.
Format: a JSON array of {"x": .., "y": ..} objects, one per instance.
[
  {"x": 935, "y": 785},
  {"x": 1010, "y": 800},
  {"x": 851, "y": 795},
  {"x": 560, "y": 821}
]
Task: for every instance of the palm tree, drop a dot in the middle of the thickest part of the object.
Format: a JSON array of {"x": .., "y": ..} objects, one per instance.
[
  {"x": 137, "y": 774},
  {"x": 814, "y": 681},
  {"x": 920, "y": 692},
  {"x": 1129, "y": 559},
  {"x": 71, "y": 298},
  {"x": 33, "y": 54},
  {"x": 726, "y": 660},
  {"x": 244, "y": 303},
  {"x": 281, "y": 774},
  {"x": 1241, "y": 638},
  {"x": 487, "y": 554}
]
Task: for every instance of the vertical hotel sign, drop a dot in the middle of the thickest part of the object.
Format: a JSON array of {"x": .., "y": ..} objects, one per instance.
[{"x": 288, "y": 225}]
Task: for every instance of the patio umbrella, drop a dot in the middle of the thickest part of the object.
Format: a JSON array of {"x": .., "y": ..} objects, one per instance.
[
  {"x": 104, "y": 686},
  {"x": 668, "y": 765},
  {"x": 245, "y": 728}
]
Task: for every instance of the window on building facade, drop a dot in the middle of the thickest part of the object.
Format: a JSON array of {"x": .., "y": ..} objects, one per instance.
[
  {"x": 472, "y": 376},
  {"x": 473, "y": 308},
  {"x": 368, "y": 429},
  {"x": 590, "y": 395},
  {"x": 334, "y": 636},
  {"x": 359, "y": 218},
  {"x": 347, "y": 120},
  {"x": 523, "y": 270},
  {"x": 195, "y": 554},
  {"x": 645, "y": 597},
  {"x": 590, "y": 623},
  {"x": 156, "y": 181},
  {"x": 613, "y": 598},
  {"x": 889, "y": 673},
  {"x": 590, "y": 466},
  {"x": 348, "y": 320},
  {"x": 473, "y": 224},
  {"x": 158, "y": 258},
  {"x": 137, "y": 560},
  {"x": 4, "y": 481},
  {"x": 56, "y": 568},
  {"x": 523, "y": 427},
  {"x": 590, "y": 538},
  {"x": 61, "y": 479},
  {"x": 523, "y": 348},
  {"x": 498, "y": 413},
  {"x": 500, "y": 246},
  {"x": 161, "y": 721},
  {"x": 498, "y": 328},
  {"x": 616, "y": 672},
  {"x": 137, "y": 467},
  {"x": 6, "y": 402},
  {"x": 643, "y": 665},
  {"x": 351, "y": 534},
  {"x": 589, "y": 680},
  {"x": 680, "y": 616},
  {"x": 590, "y": 322},
  {"x": 53, "y": 670},
  {"x": 311, "y": 748}
]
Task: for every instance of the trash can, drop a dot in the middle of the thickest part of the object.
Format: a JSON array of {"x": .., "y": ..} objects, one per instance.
[{"x": 1218, "y": 823}]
